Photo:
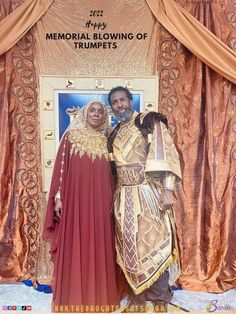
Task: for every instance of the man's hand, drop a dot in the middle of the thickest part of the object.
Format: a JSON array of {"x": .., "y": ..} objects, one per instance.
[
  {"x": 167, "y": 199},
  {"x": 58, "y": 209}
]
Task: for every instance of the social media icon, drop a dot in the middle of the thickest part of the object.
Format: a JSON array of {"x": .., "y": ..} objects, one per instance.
[
  {"x": 23, "y": 308},
  {"x": 29, "y": 308}
]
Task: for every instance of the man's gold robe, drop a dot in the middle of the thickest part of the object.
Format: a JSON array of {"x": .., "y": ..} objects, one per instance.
[{"x": 145, "y": 236}]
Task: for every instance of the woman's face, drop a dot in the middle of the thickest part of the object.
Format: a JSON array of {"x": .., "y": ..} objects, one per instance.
[{"x": 95, "y": 116}]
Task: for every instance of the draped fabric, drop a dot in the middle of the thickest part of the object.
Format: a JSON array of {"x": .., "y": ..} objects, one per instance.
[
  {"x": 19, "y": 160},
  {"x": 200, "y": 105},
  {"x": 16, "y": 24},
  {"x": 45, "y": 265},
  {"x": 182, "y": 25},
  {"x": 82, "y": 242},
  {"x": 197, "y": 38}
]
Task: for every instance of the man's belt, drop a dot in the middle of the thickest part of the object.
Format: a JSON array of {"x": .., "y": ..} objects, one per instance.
[{"x": 132, "y": 174}]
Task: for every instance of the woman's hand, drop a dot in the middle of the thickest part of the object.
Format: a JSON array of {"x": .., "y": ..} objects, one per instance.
[{"x": 58, "y": 209}]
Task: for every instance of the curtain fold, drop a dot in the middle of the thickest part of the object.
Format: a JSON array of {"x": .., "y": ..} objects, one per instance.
[
  {"x": 173, "y": 17},
  {"x": 20, "y": 166},
  {"x": 15, "y": 25},
  {"x": 200, "y": 105},
  {"x": 197, "y": 38}
]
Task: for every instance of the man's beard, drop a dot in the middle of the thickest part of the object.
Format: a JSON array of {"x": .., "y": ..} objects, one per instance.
[{"x": 124, "y": 116}]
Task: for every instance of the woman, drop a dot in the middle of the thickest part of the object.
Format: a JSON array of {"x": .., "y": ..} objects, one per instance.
[{"x": 78, "y": 219}]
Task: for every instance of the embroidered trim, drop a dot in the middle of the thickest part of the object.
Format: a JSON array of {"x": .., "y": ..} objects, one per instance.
[
  {"x": 143, "y": 286},
  {"x": 93, "y": 144}
]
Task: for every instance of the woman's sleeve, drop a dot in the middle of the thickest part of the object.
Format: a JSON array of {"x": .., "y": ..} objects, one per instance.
[{"x": 59, "y": 178}]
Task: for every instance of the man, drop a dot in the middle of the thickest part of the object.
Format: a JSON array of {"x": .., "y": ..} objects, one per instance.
[{"x": 147, "y": 167}]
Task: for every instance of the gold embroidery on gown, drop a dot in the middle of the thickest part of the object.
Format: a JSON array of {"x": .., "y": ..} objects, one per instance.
[{"x": 84, "y": 141}]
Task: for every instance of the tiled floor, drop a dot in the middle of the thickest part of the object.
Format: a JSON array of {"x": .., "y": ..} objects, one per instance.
[{"x": 21, "y": 295}]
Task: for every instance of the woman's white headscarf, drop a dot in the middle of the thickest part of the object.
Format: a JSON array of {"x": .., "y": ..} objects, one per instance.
[{"x": 80, "y": 120}]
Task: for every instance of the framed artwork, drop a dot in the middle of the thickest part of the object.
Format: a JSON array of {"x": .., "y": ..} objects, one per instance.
[{"x": 68, "y": 102}]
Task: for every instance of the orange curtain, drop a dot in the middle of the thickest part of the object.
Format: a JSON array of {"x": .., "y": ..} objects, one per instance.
[
  {"x": 197, "y": 38},
  {"x": 17, "y": 23},
  {"x": 201, "y": 105},
  {"x": 20, "y": 168}
]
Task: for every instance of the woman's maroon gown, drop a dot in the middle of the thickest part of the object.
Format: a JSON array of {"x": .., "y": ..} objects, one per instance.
[{"x": 82, "y": 242}]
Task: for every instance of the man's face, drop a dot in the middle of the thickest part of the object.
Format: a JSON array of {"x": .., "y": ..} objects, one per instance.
[{"x": 121, "y": 105}]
